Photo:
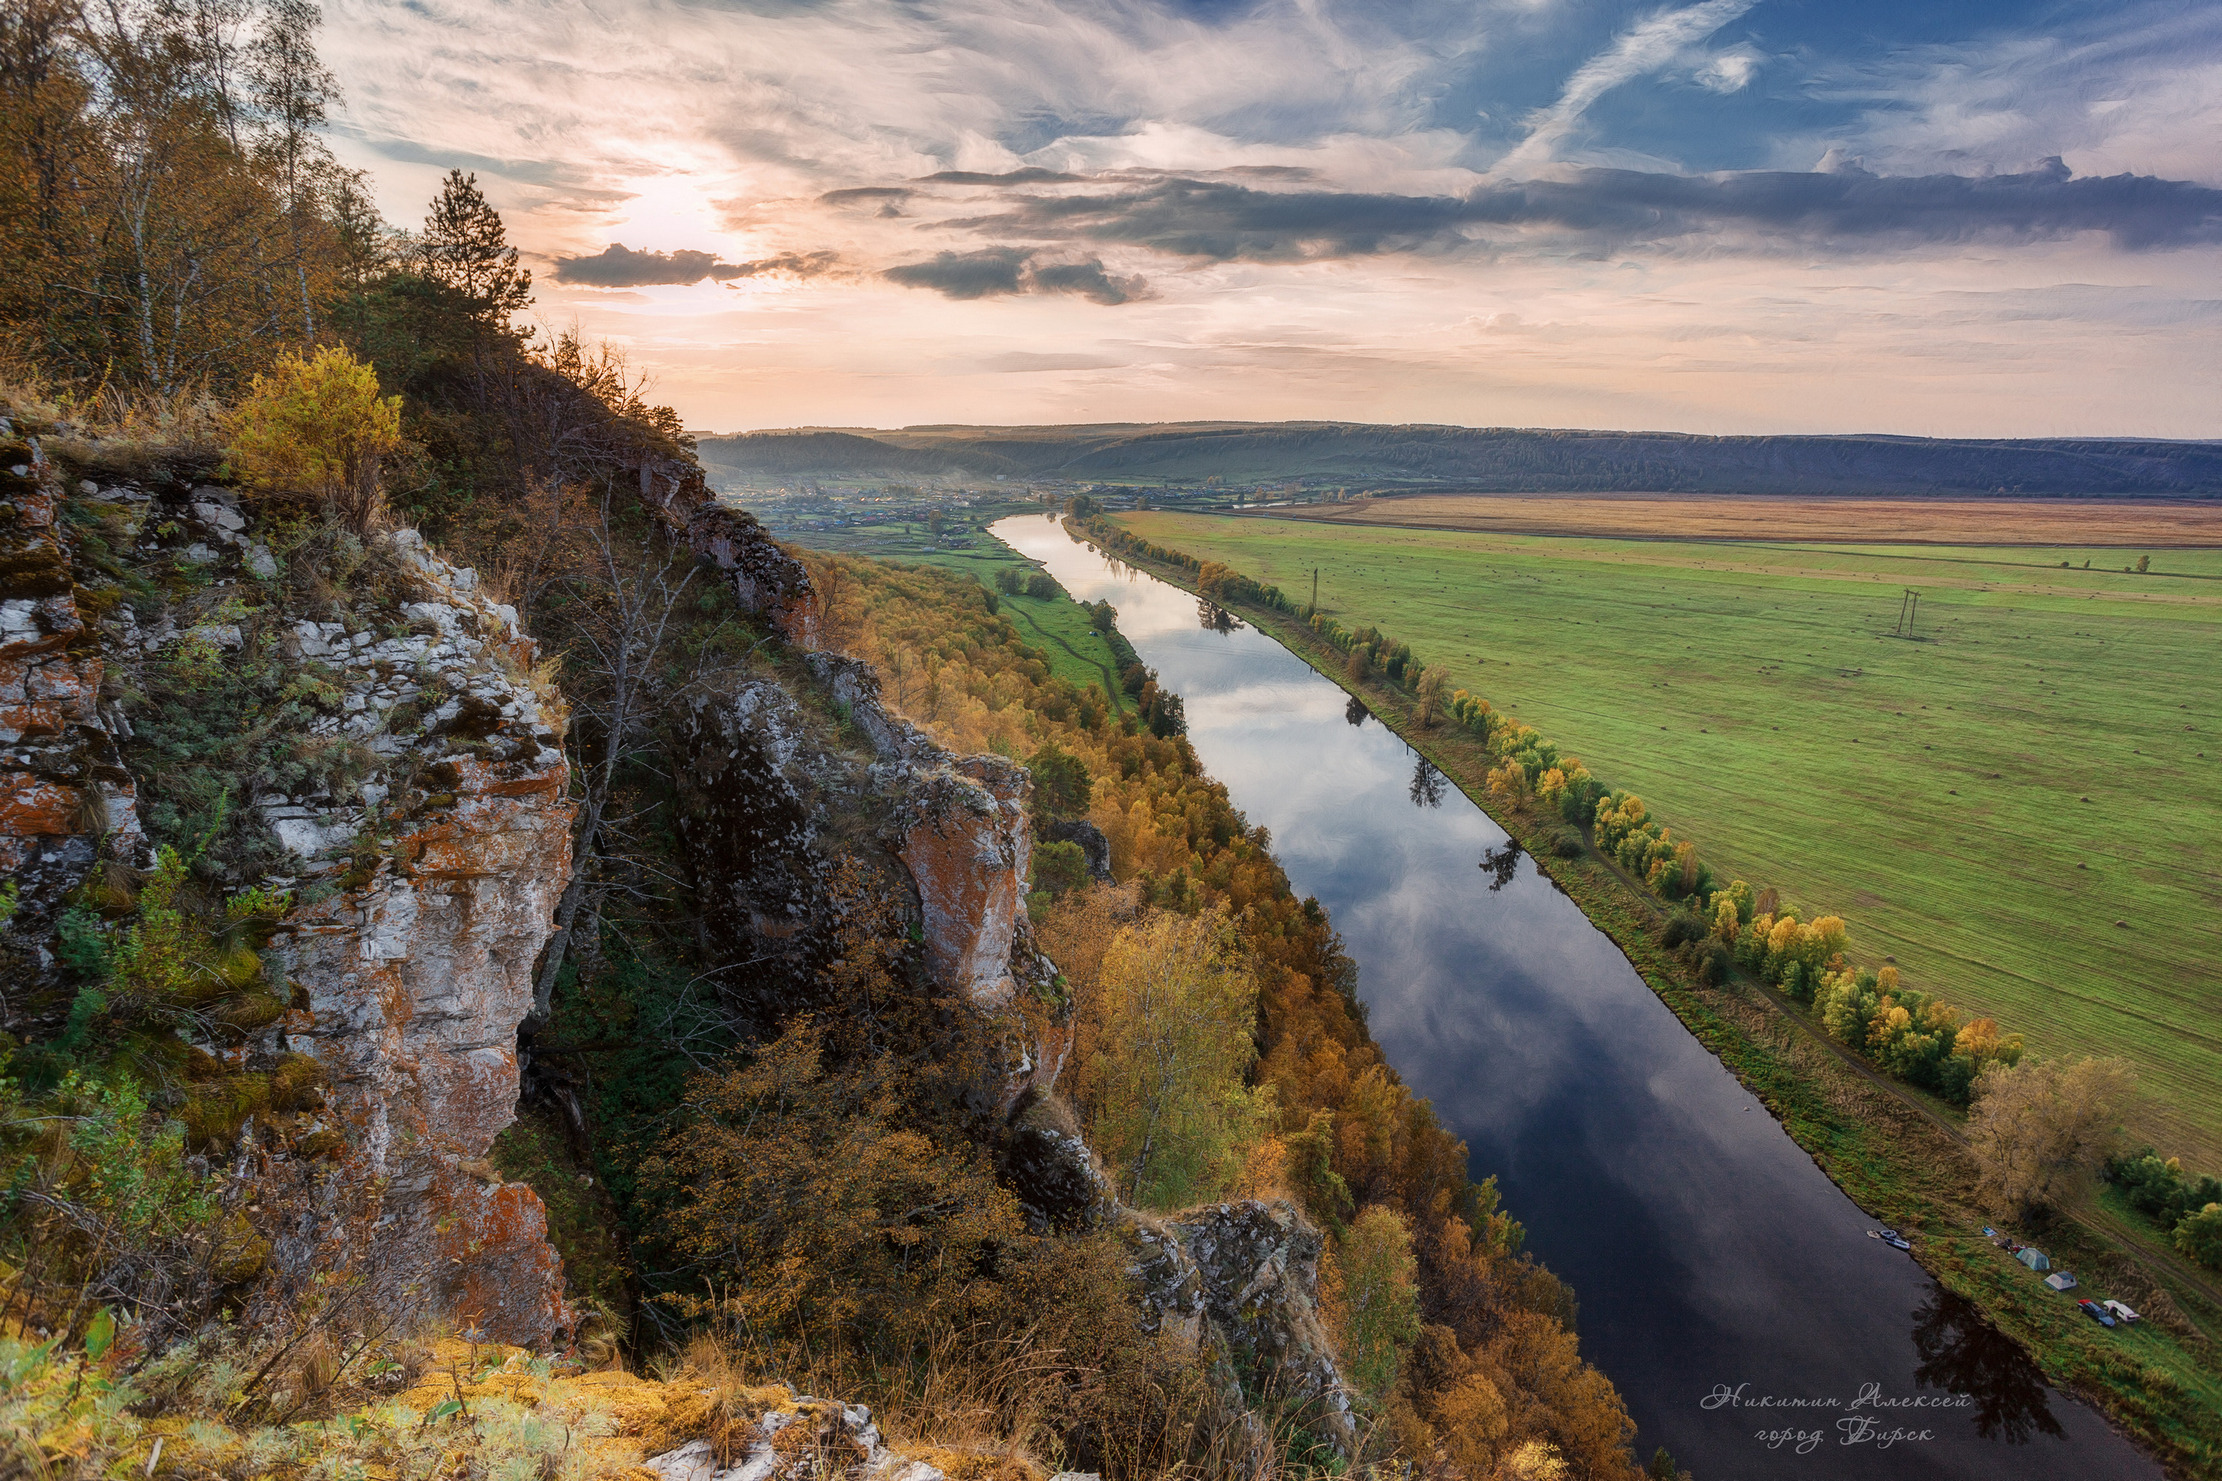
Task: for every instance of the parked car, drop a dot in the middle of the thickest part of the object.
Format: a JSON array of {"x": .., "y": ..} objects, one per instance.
[
  {"x": 2122, "y": 1313},
  {"x": 2096, "y": 1312}
]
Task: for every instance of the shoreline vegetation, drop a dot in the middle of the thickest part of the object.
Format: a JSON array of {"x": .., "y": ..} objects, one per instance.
[{"x": 1763, "y": 1005}]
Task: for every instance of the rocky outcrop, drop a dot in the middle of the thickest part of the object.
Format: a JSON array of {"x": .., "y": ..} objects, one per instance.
[
  {"x": 417, "y": 971},
  {"x": 967, "y": 851},
  {"x": 423, "y": 872},
  {"x": 1094, "y": 848},
  {"x": 1045, "y": 1161},
  {"x": 1241, "y": 1281},
  {"x": 758, "y": 785},
  {"x": 775, "y": 797},
  {"x": 764, "y": 578},
  {"x": 63, "y": 786}
]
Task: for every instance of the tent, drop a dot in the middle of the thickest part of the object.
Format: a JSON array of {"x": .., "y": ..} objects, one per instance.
[
  {"x": 2060, "y": 1280},
  {"x": 2034, "y": 1259}
]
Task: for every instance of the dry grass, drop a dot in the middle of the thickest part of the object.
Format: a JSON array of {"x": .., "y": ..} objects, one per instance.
[{"x": 2131, "y": 523}]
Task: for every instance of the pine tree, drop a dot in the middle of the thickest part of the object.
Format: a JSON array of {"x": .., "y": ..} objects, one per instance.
[{"x": 465, "y": 247}]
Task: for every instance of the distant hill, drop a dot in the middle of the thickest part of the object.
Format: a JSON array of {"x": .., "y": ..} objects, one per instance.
[{"x": 1491, "y": 459}]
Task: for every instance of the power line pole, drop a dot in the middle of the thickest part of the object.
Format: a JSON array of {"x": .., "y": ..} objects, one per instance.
[{"x": 1315, "y": 591}]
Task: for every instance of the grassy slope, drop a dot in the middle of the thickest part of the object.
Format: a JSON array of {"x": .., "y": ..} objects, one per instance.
[
  {"x": 1902, "y": 1162},
  {"x": 1055, "y": 625},
  {"x": 1927, "y": 791}
]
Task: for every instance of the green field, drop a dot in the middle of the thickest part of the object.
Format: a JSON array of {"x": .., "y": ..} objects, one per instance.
[
  {"x": 1058, "y": 626},
  {"x": 2021, "y": 805}
]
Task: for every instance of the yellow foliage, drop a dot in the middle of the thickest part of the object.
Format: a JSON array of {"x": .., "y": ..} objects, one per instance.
[{"x": 319, "y": 427}]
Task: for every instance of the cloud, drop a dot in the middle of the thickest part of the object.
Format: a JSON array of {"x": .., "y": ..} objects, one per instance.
[
  {"x": 783, "y": 265},
  {"x": 857, "y": 195},
  {"x": 1601, "y": 210},
  {"x": 1643, "y": 48},
  {"x": 1089, "y": 281},
  {"x": 992, "y": 272},
  {"x": 1028, "y": 176},
  {"x": 2131, "y": 88},
  {"x": 619, "y": 266},
  {"x": 999, "y": 272},
  {"x": 1729, "y": 71}
]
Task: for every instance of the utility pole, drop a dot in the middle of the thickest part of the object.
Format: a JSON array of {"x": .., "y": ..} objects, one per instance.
[{"x": 1315, "y": 591}]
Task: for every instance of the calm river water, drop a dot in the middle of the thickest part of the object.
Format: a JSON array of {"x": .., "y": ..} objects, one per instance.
[{"x": 1705, "y": 1246}]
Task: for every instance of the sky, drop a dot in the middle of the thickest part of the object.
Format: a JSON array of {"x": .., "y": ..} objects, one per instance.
[{"x": 1729, "y": 216}]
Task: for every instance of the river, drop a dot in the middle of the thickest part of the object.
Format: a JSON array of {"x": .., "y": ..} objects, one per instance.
[{"x": 1708, "y": 1251}]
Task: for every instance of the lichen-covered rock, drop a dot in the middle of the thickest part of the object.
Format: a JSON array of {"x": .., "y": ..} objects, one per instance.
[
  {"x": 417, "y": 971},
  {"x": 1241, "y": 1281},
  {"x": 424, "y": 872},
  {"x": 757, "y": 787},
  {"x": 1048, "y": 1164},
  {"x": 768, "y": 793},
  {"x": 63, "y": 786},
  {"x": 967, "y": 851},
  {"x": 764, "y": 578}
]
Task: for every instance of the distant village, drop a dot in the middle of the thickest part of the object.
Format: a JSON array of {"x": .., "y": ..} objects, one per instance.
[{"x": 945, "y": 513}]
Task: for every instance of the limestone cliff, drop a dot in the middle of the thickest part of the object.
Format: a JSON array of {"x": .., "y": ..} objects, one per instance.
[
  {"x": 424, "y": 854},
  {"x": 1240, "y": 1281},
  {"x": 417, "y": 972},
  {"x": 422, "y": 862},
  {"x": 63, "y": 785}
]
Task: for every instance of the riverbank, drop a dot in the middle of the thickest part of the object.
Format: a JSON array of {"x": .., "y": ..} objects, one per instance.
[{"x": 1897, "y": 1158}]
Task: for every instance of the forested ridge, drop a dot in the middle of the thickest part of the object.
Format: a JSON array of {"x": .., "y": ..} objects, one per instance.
[{"x": 1496, "y": 459}]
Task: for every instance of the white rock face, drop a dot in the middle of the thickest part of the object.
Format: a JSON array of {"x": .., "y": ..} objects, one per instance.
[
  {"x": 419, "y": 969},
  {"x": 831, "y": 1425}
]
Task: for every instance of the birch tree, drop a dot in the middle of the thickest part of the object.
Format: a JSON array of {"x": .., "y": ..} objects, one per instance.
[{"x": 1177, "y": 1007}]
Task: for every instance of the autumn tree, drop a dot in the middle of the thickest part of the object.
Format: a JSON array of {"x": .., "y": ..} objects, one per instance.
[
  {"x": 1434, "y": 685},
  {"x": 2198, "y": 1236},
  {"x": 157, "y": 232},
  {"x": 2038, "y": 1125},
  {"x": 807, "y": 1208},
  {"x": 1170, "y": 1109},
  {"x": 294, "y": 91},
  {"x": 1376, "y": 1298},
  {"x": 1062, "y": 785}
]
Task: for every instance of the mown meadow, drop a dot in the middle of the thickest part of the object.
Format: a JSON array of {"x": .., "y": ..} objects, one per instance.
[{"x": 2016, "y": 803}]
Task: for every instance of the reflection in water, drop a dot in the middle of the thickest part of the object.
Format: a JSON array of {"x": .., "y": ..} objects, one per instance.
[
  {"x": 1427, "y": 784},
  {"x": 1500, "y": 864},
  {"x": 1214, "y": 618},
  {"x": 1355, "y": 711},
  {"x": 1963, "y": 1354}
]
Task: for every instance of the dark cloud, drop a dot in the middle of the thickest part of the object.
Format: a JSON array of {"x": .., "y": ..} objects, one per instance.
[
  {"x": 1089, "y": 280},
  {"x": 619, "y": 266},
  {"x": 856, "y": 195},
  {"x": 784, "y": 265},
  {"x": 999, "y": 272},
  {"x": 1031, "y": 175},
  {"x": 989, "y": 273},
  {"x": 1223, "y": 221}
]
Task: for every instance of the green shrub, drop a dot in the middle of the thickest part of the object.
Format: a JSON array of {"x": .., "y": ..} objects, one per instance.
[{"x": 2199, "y": 1236}]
